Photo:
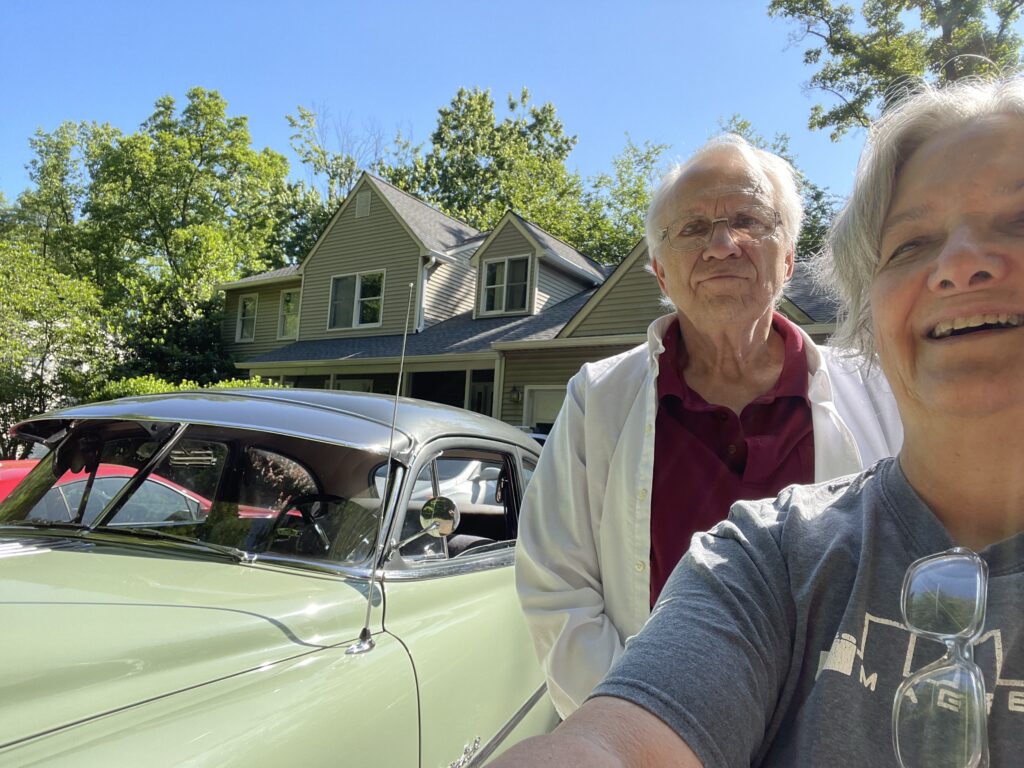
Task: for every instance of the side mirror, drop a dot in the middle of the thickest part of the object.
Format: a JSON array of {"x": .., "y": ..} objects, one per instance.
[{"x": 439, "y": 517}]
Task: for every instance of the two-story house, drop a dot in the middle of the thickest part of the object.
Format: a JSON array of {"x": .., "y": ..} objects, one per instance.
[{"x": 497, "y": 321}]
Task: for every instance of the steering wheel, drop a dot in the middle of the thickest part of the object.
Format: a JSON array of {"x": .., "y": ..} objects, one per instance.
[{"x": 302, "y": 504}]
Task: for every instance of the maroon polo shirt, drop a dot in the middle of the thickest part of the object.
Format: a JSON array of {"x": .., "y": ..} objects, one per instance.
[{"x": 706, "y": 457}]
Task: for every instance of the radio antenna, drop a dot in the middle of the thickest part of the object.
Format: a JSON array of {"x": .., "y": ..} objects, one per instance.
[{"x": 365, "y": 641}]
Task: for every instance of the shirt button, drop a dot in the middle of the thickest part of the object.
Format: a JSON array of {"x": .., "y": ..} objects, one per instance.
[
  {"x": 648, "y": 429},
  {"x": 639, "y": 566},
  {"x": 641, "y": 494},
  {"x": 722, "y": 416},
  {"x": 731, "y": 450}
]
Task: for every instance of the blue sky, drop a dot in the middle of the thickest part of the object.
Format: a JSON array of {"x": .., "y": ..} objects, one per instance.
[{"x": 658, "y": 70}]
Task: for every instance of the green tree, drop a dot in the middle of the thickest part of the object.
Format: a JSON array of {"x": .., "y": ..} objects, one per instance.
[
  {"x": 820, "y": 205},
  {"x": 54, "y": 346},
  {"x": 861, "y": 59},
  {"x": 619, "y": 201},
  {"x": 479, "y": 166}
]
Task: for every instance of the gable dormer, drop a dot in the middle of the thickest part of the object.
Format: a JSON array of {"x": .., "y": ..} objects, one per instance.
[{"x": 521, "y": 270}]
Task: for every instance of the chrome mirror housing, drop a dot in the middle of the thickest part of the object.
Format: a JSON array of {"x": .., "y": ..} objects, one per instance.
[{"x": 439, "y": 517}]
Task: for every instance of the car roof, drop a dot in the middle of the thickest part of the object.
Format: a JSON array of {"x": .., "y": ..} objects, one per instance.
[{"x": 354, "y": 419}]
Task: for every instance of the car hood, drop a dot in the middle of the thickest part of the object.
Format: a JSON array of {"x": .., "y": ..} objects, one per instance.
[{"x": 90, "y": 629}]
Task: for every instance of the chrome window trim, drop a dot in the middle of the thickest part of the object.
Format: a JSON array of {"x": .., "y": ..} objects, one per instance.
[{"x": 459, "y": 566}]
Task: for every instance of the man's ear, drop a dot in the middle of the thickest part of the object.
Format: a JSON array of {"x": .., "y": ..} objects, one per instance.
[
  {"x": 790, "y": 263},
  {"x": 659, "y": 273}
]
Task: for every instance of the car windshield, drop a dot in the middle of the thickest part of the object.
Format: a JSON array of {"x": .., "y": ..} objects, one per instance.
[{"x": 235, "y": 488}]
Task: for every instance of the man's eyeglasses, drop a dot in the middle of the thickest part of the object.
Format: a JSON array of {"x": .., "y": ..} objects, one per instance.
[
  {"x": 747, "y": 225},
  {"x": 939, "y": 713}
]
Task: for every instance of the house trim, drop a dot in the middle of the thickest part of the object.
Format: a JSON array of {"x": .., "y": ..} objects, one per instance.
[
  {"x": 632, "y": 339},
  {"x": 259, "y": 282}
]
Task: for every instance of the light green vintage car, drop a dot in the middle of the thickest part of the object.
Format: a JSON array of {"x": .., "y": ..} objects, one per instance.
[{"x": 269, "y": 578}]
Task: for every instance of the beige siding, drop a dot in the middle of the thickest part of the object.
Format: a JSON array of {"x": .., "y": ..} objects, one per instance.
[
  {"x": 509, "y": 242},
  {"x": 628, "y": 307},
  {"x": 553, "y": 287},
  {"x": 373, "y": 243},
  {"x": 544, "y": 367},
  {"x": 449, "y": 291},
  {"x": 268, "y": 307}
]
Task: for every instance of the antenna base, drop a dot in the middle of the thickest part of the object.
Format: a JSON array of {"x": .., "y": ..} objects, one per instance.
[{"x": 362, "y": 645}]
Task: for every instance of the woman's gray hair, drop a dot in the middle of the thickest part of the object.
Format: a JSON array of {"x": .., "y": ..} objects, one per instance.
[
  {"x": 847, "y": 264},
  {"x": 778, "y": 172}
]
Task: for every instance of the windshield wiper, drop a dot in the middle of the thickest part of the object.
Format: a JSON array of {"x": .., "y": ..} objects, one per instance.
[
  {"x": 238, "y": 555},
  {"x": 42, "y": 524}
]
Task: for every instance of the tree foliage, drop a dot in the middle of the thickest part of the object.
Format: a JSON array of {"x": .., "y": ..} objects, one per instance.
[
  {"x": 479, "y": 166},
  {"x": 618, "y": 201},
  {"x": 54, "y": 343},
  {"x": 157, "y": 218},
  {"x": 861, "y": 59}
]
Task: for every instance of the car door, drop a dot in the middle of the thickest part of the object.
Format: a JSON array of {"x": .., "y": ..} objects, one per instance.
[{"x": 452, "y": 602}]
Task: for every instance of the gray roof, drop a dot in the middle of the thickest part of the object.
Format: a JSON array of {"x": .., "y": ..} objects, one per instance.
[
  {"x": 438, "y": 231},
  {"x": 810, "y": 297},
  {"x": 459, "y": 334},
  {"x": 558, "y": 251},
  {"x": 275, "y": 274}
]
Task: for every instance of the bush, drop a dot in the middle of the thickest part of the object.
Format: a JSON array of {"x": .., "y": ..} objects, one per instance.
[{"x": 152, "y": 385}]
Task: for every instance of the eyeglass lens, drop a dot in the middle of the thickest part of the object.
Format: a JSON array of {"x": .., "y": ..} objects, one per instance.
[
  {"x": 939, "y": 717},
  {"x": 944, "y": 598}
]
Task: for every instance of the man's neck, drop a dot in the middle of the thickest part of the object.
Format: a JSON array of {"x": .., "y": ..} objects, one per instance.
[{"x": 731, "y": 364}]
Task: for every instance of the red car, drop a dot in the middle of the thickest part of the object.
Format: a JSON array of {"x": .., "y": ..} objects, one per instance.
[{"x": 159, "y": 500}]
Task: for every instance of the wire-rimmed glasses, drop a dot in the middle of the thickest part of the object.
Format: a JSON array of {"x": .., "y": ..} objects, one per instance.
[
  {"x": 747, "y": 224},
  {"x": 939, "y": 712}
]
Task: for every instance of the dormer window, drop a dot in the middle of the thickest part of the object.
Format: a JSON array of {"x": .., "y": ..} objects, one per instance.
[{"x": 505, "y": 284}]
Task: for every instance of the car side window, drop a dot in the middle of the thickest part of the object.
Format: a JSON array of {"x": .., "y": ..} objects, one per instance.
[
  {"x": 529, "y": 467},
  {"x": 479, "y": 483}
]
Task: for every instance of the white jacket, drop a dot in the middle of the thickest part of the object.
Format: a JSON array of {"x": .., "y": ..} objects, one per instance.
[{"x": 583, "y": 556}]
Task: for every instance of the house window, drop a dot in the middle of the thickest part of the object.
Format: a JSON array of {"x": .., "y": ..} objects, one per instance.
[
  {"x": 505, "y": 283},
  {"x": 245, "y": 329},
  {"x": 288, "y": 317},
  {"x": 356, "y": 300}
]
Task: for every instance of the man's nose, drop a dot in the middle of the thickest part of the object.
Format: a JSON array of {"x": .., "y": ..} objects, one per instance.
[
  {"x": 721, "y": 241},
  {"x": 965, "y": 262}
]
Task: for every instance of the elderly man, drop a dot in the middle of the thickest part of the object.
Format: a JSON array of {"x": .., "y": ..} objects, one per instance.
[
  {"x": 800, "y": 632},
  {"x": 727, "y": 400}
]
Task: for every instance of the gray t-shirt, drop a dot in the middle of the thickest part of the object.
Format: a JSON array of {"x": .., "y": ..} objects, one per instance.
[{"x": 778, "y": 640}]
